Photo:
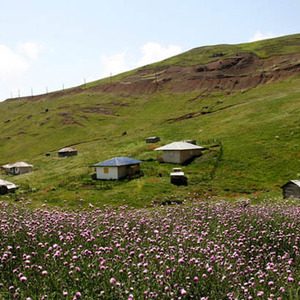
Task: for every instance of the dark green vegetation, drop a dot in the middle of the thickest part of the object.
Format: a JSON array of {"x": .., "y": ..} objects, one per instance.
[{"x": 245, "y": 98}]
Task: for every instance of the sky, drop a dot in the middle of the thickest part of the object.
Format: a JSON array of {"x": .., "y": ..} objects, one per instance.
[{"x": 50, "y": 45}]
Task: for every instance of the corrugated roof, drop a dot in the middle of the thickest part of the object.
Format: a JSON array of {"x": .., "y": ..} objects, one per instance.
[
  {"x": 8, "y": 184},
  {"x": 117, "y": 161},
  {"x": 179, "y": 146},
  {"x": 68, "y": 149},
  {"x": 19, "y": 164}
]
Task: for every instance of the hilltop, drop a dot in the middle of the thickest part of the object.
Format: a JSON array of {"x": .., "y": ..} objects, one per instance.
[{"x": 240, "y": 101}]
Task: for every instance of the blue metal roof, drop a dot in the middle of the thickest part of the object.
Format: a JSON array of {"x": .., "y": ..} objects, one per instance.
[{"x": 117, "y": 161}]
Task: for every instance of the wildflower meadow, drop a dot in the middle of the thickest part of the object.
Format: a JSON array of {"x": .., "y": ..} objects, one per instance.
[{"x": 196, "y": 250}]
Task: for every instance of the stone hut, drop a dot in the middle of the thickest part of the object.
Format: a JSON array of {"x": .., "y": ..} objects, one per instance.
[{"x": 66, "y": 152}]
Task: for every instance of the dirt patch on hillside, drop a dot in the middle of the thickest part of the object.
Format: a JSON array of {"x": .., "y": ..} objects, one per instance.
[
  {"x": 98, "y": 110},
  {"x": 68, "y": 119},
  {"x": 242, "y": 71},
  {"x": 239, "y": 72}
]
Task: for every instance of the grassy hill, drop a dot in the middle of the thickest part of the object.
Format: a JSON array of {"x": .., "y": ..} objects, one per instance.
[{"x": 240, "y": 101}]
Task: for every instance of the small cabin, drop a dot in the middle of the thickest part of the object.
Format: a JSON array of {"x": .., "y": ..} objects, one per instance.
[
  {"x": 152, "y": 139},
  {"x": 179, "y": 152},
  {"x": 18, "y": 168},
  {"x": 117, "y": 168},
  {"x": 291, "y": 190},
  {"x": 194, "y": 142},
  {"x": 6, "y": 187},
  {"x": 178, "y": 177},
  {"x": 67, "y": 152}
]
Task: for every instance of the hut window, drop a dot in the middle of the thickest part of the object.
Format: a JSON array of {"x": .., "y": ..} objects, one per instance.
[
  {"x": 171, "y": 153},
  {"x": 106, "y": 170}
]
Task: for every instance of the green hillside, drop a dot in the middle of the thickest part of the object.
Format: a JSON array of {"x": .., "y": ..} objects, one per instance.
[{"x": 242, "y": 102}]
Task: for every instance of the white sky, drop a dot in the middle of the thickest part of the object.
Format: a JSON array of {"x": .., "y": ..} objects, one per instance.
[{"x": 48, "y": 44}]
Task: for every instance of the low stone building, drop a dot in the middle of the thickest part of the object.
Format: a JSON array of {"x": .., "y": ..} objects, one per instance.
[
  {"x": 291, "y": 190},
  {"x": 178, "y": 177},
  {"x": 18, "y": 168},
  {"x": 6, "y": 187},
  {"x": 66, "y": 152},
  {"x": 152, "y": 139}
]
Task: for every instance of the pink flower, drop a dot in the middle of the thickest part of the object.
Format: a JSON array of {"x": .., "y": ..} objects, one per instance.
[
  {"x": 196, "y": 278},
  {"x": 259, "y": 294},
  {"x": 23, "y": 278},
  {"x": 112, "y": 280},
  {"x": 183, "y": 292}
]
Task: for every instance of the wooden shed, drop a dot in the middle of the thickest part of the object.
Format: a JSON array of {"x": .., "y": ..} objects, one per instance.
[
  {"x": 291, "y": 190},
  {"x": 66, "y": 152},
  {"x": 116, "y": 168},
  {"x": 18, "y": 168},
  {"x": 179, "y": 152},
  {"x": 6, "y": 187}
]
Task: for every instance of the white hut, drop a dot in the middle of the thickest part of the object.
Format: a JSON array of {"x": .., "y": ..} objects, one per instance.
[
  {"x": 291, "y": 189},
  {"x": 18, "y": 168},
  {"x": 6, "y": 187},
  {"x": 179, "y": 152},
  {"x": 116, "y": 168}
]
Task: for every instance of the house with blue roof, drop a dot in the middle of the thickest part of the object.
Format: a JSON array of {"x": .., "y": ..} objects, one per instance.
[{"x": 116, "y": 168}]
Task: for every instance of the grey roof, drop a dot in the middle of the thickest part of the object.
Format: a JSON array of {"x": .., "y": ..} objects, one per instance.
[
  {"x": 297, "y": 182},
  {"x": 8, "y": 184},
  {"x": 118, "y": 161},
  {"x": 179, "y": 146},
  {"x": 68, "y": 149},
  {"x": 19, "y": 164},
  {"x": 179, "y": 174}
]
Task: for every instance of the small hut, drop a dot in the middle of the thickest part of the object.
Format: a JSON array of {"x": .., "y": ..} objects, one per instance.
[
  {"x": 152, "y": 139},
  {"x": 178, "y": 177},
  {"x": 179, "y": 152},
  {"x": 116, "y": 168},
  {"x": 291, "y": 190},
  {"x": 66, "y": 152},
  {"x": 194, "y": 142},
  {"x": 17, "y": 168},
  {"x": 6, "y": 187}
]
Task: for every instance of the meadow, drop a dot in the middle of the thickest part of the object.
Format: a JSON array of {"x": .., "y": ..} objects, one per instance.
[
  {"x": 196, "y": 250},
  {"x": 256, "y": 121}
]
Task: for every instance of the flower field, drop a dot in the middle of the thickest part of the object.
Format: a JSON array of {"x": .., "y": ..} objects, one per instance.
[{"x": 194, "y": 250}]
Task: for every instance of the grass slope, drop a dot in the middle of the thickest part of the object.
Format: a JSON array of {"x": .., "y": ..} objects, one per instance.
[{"x": 258, "y": 130}]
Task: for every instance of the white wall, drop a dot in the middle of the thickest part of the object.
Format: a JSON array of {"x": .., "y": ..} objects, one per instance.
[
  {"x": 179, "y": 156},
  {"x": 112, "y": 173},
  {"x": 171, "y": 156}
]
